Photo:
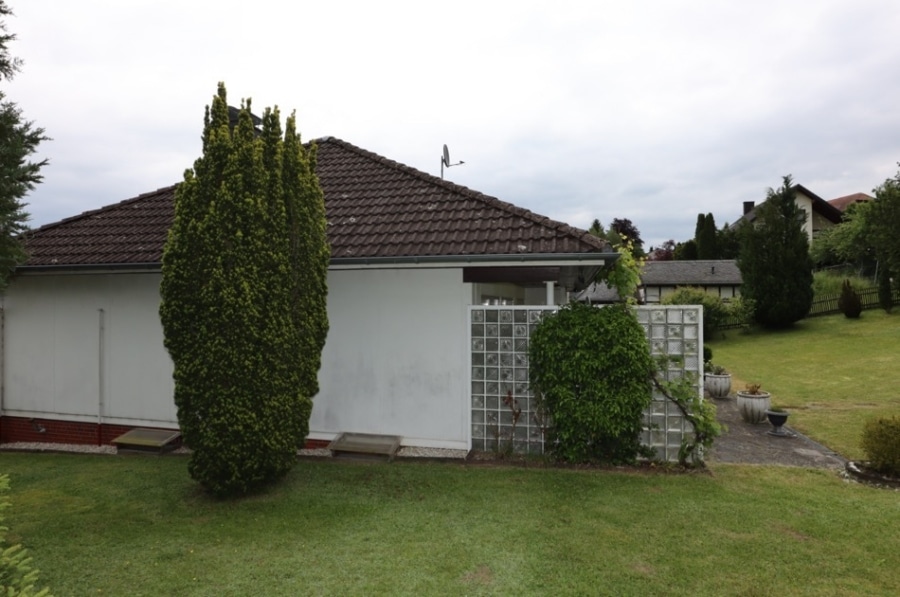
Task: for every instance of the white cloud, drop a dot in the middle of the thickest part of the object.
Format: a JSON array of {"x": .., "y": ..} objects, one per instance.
[{"x": 651, "y": 110}]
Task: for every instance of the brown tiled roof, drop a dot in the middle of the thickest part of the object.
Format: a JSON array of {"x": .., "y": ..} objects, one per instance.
[
  {"x": 842, "y": 203},
  {"x": 376, "y": 208}
]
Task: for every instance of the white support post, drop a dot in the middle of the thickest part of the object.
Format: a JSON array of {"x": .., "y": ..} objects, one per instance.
[{"x": 551, "y": 294}]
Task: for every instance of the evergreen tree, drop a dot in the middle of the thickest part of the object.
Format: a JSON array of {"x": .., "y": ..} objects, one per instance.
[
  {"x": 775, "y": 264},
  {"x": 229, "y": 301},
  {"x": 19, "y": 139},
  {"x": 883, "y": 227},
  {"x": 706, "y": 237},
  {"x": 686, "y": 251},
  {"x": 728, "y": 242}
]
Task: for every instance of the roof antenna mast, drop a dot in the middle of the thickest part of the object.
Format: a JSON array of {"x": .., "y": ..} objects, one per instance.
[{"x": 445, "y": 161}]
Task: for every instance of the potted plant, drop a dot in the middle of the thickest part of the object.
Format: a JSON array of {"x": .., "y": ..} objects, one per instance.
[
  {"x": 777, "y": 417},
  {"x": 716, "y": 380},
  {"x": 753, "y": 403}
]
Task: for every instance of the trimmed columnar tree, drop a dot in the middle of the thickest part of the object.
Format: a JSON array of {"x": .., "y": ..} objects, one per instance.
[
  {"x": 883, "y": 224},
  {"x": 775, "y": 264},
  {"x": 19, "y": 139},
  {"x": 230, "y": 302}
]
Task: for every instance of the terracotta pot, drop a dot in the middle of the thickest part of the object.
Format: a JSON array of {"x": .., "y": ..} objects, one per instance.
[
  {"x": 753, "y": 407},
  {"x": 718, "y": 386}
]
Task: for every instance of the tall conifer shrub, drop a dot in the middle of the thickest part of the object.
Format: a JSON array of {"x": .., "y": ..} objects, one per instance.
[{"x": 230, "y": 308}]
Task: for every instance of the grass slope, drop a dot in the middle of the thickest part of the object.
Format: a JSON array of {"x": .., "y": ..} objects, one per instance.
[
  {"x": 130, "y": 525},
  {"x": 832, "y": 373}
]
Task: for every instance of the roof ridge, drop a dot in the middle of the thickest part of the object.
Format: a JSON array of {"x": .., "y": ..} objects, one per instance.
[
  {"x": 93, "y": 212},
  {"x": 489, "y": 200}
]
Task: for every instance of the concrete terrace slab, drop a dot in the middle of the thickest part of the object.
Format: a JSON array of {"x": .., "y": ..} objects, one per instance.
[
  {"x": 365, "y": 446},
  {"x": 153, "y": 441}
]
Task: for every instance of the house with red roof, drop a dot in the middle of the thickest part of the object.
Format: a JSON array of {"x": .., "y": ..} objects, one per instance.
[{"x": 83, "y": 357}]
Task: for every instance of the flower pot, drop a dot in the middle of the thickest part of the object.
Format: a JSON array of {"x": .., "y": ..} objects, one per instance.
[
  {"x": 777, "y": 418},
  {"x": 718, "y": 386},
  {"x": 753, "y": 407}
]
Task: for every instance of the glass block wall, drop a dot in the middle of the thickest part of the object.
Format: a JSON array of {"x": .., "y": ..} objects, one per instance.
[{"x": 503, "y": 416}]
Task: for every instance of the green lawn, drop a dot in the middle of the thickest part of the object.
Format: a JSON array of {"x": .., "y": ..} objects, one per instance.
[
  {"x": 137, "y": 525},
  {"x": 132, "y": 525},
  {"x": 832, "y": 373}
]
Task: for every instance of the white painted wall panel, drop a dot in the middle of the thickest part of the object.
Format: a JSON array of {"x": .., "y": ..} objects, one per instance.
[
  {"x": 52, "y": 345},
  {"x": 396, "y": 356}
]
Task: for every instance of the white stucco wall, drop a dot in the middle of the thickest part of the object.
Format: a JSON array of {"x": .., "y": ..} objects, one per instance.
[
  {"x": 395, "y": 360},
  {"x": 54, "y": 366}
]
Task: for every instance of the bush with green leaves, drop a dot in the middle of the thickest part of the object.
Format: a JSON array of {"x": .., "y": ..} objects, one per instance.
[
  {"x": 591, "y": 368},
  {"x": 881, "y": 444},
  {"x": 17, "y": 576},
  {"x": 849, "y": 302},
  {"x": 715, "y": 310}
]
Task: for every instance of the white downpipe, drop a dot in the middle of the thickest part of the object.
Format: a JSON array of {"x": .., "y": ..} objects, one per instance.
[
  {"x": 101, "y": 349},
  {"x": 551, "y": 294}
]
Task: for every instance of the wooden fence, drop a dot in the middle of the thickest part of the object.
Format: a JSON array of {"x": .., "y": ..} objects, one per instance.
[{"x": 827, "y": 305}]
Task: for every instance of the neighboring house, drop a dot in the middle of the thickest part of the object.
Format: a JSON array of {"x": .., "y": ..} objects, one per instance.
[
  {"x": 720, "y": 277},
  {"x": 660, "y": 278},
  {"x": 820, "y": 214},
  {"x": 83, "y": 357},
  {"x": 842, "y": 203}
]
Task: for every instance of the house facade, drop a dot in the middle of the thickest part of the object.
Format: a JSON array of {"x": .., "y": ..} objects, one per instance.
[
  {"x": 82, "y": 346},
  {"x": 819, "y": 214}
]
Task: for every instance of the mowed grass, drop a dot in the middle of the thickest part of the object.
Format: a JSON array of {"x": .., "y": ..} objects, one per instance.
[
  {"x": 137, "y": 525},
  {"x": 831, "y": 373}
]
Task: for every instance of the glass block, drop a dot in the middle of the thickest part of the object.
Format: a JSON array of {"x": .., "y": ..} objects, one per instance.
[
  {"x": 506, "y": 316},
  {"x": 646, "y": 329},
  {"x": 658, "y": 316},
  {"x": 692, "y": 316},
  {"x": 477, "y": 373},
  {"x": 521, "y": 375},
  {"x": 690, "y": 331},
  {"x": 506, "y": 373},
  {"x": 520, "y": 316},
  {"x": 506, "y": 359},
  {"x": 492, "y": 388},
  {"x": 691, "y": 347},
  {"x": 521, "y": 345},
  {"x": 643, "y": 315},
  {"x": 478, "y": 358},
  {"x": 478, "y": 344},
  {"x": 491, "y": 417},
  {"x": 478, "y": 388},
  {"x": 673, "y": 347},
  {"x": 521, "y": 359},
  {"x": 692, "y": 362},
  {"x": 657, "y": 331},
  {"x": 522, "y": 389},
  {"x": 477, "y": 330},
  {"x": 674, "y": 331},
  {"x": 520, "y": 331},
  {"x": 491, "y": 403},
  {"x": 521, "y": 433},
  {"x": 478, "y": 315},
  {"x": 492, "y": 330},
  {"x": 491, "y": 315},
  {"x": 491, "y": 345},
  {"x": 658, "y": 347},
  {"x": 534, "y": 316},
  {"x": 478, "y": 401},
  {"x": 477, "y": 431},
  {"x": 491, "y": 359},
  {"x": 478, "y": 417},
  {"x": 674, "y": 316},
  {"x": 506, "y": 345},
  {"x": 506, "y": 330}
]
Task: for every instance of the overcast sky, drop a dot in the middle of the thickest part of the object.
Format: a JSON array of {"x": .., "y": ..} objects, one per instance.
[{"x": 652, "y": 110}]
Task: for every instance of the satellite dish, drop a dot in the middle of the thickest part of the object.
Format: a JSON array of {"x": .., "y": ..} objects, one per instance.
[{"x": 445, "y": 160}]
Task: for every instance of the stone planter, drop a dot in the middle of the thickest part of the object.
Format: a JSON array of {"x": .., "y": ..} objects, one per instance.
[
  {"x": 777, "y": 418},
  {"x": 753, "y": 407},
  {"x": 717, "y": 386}
]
